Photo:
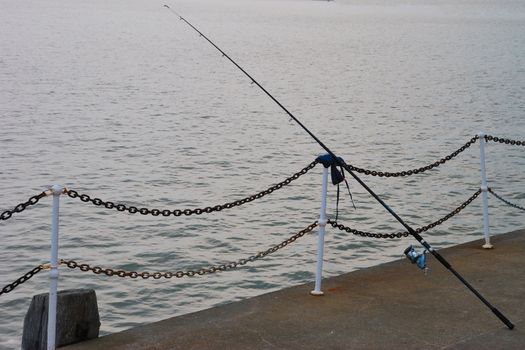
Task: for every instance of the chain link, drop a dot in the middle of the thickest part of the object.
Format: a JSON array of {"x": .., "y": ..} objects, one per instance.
[
  {"x": 22, "y": 279},
  {"x": 189, "y": 273},
  {"x": 418, "y": 170},
  {"x": 505, "y": 201},
  {"x": 22, "y": 206},
  {"x": 198, "y": 211},
  {"x": 505, "y": 141},
  {"x": 406, "y": 234}
]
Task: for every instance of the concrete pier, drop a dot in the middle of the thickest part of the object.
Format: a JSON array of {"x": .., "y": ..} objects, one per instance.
[{"x": 389, "y": 306}]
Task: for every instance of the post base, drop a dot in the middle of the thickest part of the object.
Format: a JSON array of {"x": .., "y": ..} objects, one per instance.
[{"x": 316, "y": 293}]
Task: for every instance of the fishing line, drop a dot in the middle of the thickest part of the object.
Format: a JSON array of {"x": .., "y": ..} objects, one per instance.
[{"x": 342, "y": 164}]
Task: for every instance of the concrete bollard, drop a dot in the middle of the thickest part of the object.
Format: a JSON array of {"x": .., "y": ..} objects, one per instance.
[{"x": 77, "y": 319}]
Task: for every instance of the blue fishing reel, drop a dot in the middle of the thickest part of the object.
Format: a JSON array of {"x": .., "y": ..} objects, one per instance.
[{"x": 417, "y": 258}]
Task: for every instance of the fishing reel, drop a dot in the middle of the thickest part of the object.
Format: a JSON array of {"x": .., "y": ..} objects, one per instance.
[{"x": 419, "y": 259}]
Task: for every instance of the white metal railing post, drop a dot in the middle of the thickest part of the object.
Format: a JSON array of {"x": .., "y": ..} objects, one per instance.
[
  {"x": 53, "y": 273},
  {"x": 484, "y": 189},
  {"x": 322, "y": 227}
]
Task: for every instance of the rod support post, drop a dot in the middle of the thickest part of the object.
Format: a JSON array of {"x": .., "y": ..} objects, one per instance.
[
  {"x": 484, "y": 189},
  {"x": 320, "y": 242}
]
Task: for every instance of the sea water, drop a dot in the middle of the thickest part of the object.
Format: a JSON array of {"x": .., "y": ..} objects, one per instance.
[{"x": 123, "y": 101}]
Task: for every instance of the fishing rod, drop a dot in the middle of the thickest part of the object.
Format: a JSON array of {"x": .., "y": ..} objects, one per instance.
[{"x": 345, "y": 166}]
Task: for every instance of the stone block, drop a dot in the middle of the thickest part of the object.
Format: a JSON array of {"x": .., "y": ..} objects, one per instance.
[{"x": 77, "y": 319}]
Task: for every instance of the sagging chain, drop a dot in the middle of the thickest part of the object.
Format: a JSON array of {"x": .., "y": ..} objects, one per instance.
[
  {"x": 342, "y": 227},
  {"x": 23, "y": 206},
  {"x": 418, "y": 170},
  {"x": 406, "y": 234},
  {"x": 187, "y": 212},
  {"x": 505, "y": 201},
  {"x": 505, "y": 141},
  {"x": 24, "y": 278},
  {"x": 451, "y": 214},
  {"x": 189, "y": 273}
]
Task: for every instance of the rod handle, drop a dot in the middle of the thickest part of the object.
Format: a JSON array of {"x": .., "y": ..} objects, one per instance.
[{"x": 503, "y": 318}]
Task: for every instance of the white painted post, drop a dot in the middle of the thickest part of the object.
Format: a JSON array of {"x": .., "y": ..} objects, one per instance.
[
  {"x": 320, "y": 244},
  {"x": 53, "y": 273},
  {"x": 484, "y": 190}
]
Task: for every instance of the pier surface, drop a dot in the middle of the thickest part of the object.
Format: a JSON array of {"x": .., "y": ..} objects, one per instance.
[{"x": 389, "y": 306}]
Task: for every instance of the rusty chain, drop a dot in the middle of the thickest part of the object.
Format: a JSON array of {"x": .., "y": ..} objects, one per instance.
[
  {"x": 418, "y": 170},
  {"x": 23, "y": 279},
  {"x": 504, "y": 200},
  {"x": 178, "y": 212},
  {"x": 23, "y": 206},
  {"x": 209, "y": 209},
  {"x": 406, "y": 234},
  {"x": 503, "y": 140},
  {"x": 189, "y": 273},
  {"x": 235, "y": 264},
  {"x": 342, "y": 227}
]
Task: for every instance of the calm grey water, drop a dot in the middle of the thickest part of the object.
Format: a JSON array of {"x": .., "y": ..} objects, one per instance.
[{"x": 122, "y": 101}]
